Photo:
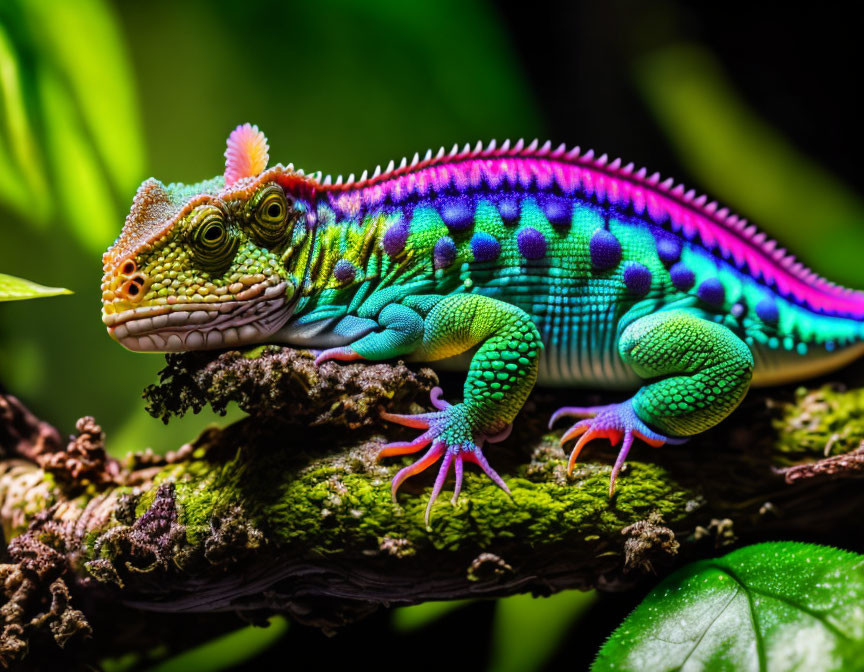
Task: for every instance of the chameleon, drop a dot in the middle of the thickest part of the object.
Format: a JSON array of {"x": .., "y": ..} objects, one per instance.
[{"x": 519, "y": 263}]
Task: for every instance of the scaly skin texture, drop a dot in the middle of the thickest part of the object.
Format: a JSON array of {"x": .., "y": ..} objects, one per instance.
[{"x": 554, "y": 265}]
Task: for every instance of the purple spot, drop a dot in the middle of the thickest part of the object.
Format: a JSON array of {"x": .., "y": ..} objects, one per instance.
[
  {"x": 558, "y": 211},
  {"x": 682, "y": 277},
  {"x": 509, "y": 210},
  {"x": 637, "y": 277},
  {"x": 738, "y": 310},
  {"x": 444, "y": 253},
  {"x": 395, "y": 238},
  {"x": 457, "y": 215},
  {"x": 532, "y": 243},
  {"x": 767, "y": 311},
  {"x": 344, "y": 271},
  {"x": 485, "y": 247},
  {"x": 712, "y": 292},
  {"x": 668, "y": 249},
  {"x": 605, "y": 250}
]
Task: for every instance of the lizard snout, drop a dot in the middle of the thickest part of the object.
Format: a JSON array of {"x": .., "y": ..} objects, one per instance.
[{"x": 126, "y": 282}]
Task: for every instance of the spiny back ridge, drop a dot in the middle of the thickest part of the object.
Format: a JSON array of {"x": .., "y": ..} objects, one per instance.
[{"x": 604, "y": 181}]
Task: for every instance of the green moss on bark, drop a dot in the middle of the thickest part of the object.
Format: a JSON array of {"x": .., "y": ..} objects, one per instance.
[
  {"x": 341, "y": 503},
  {"x": 282, "y": 506},
  {"x": 828, "y": 420}
]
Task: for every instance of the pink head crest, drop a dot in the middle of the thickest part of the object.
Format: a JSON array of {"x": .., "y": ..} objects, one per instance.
[{"x": 247, "y": 153}]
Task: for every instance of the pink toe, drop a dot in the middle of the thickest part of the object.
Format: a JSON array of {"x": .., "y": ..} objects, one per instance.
[
  {"x": 574, "y": 412},
  {"x": 437, "y": 401},
  {"x": 343, "y": 354}
]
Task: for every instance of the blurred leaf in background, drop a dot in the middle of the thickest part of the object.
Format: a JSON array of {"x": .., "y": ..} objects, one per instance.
[
  {"x": 527, "y": 631},
  {"x": 71, "y": 117},
  {"x": 417, "y": 616},
  {"x": 742, "y": 159},
  {"x": 221, "y": 653},
  {"x": 71, "y": 154}
]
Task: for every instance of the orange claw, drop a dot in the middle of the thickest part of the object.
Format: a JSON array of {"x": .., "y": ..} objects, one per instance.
[
  {"x": 613, "y": 435},
  {"x": 405, "y": 447},
  {"x": 576, "y": 430},
  {"x": 428, "y": 459},
  {"x": 406, "y": 420}
]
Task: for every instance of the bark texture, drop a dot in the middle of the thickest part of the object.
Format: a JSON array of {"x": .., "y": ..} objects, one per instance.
[{"x": 288, "y": 510}]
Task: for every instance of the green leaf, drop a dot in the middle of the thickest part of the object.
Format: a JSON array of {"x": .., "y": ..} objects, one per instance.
[
  {"x": 527, "y": 630},
  {"x": 415, "y": 617},
  {"x": 774, "y": 606},
  {"x": 227, "y": 651},
  {"x": 16, "y": 289}
]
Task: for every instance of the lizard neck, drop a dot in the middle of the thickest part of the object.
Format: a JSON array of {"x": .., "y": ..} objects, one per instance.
[{"x": 346, "y": 255}]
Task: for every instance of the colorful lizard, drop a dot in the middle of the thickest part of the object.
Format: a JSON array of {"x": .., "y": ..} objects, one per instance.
[{"x": 549, "y": 264}]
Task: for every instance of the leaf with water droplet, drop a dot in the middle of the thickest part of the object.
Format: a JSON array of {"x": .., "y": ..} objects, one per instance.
[{"x": 775, "y": 606}]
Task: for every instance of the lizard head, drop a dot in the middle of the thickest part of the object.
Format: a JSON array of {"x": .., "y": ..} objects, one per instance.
[{"x": 212, "y": 264}]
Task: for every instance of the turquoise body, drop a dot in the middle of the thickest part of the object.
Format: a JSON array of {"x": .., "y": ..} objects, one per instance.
[{"x": 580, "y": 311}]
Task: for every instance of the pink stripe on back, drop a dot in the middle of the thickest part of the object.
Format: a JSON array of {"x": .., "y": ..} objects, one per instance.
[{"x": 604, "y": 182}]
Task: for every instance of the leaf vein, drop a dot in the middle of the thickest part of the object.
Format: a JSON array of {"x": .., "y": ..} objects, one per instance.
[
  {"x": 708, "y": 627},
  {"x": 786, "y": 600}
]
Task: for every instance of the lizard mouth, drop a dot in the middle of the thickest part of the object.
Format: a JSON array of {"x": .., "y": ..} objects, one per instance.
[{"x": 201, "y": 326}]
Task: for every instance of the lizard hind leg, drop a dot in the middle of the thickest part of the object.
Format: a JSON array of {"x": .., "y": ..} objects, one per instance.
[{"x": 696, "y": 372}]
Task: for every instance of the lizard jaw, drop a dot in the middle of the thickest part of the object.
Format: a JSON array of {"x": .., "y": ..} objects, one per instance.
[{"x": 201, "y": 326}]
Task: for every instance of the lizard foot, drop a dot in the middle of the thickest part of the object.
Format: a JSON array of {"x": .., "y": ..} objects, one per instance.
[
  {"x": 614, "y": 422},
  {"x": 453, "y": 440}
]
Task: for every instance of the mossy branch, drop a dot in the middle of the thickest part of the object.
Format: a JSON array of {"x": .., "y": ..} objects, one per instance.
[{"x": 288, "y": 510}]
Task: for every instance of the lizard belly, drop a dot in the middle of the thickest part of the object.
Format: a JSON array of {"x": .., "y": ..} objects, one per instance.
[
  {"x": 582, "y": 350},
  {"x": 578, "y": 351}
]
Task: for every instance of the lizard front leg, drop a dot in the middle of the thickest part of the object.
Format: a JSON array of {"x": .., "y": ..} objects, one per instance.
[
  {"x": 500, "y": 377},
  {"x": 401, "y": 333},
  {"x": 703, "y": 373}
]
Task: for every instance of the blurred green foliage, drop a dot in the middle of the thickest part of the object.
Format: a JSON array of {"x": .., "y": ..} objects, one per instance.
[
  {"x": 417, "y": 616},
  {"x": 219, "y": 654},
  {"x": 227, "y": 651},
  {"x": 71, "y": 117},
  {"x": 527, "y": 630}
]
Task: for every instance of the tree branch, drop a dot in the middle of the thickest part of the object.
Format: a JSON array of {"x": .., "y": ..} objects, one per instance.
[{"x": 288, "y": 510}]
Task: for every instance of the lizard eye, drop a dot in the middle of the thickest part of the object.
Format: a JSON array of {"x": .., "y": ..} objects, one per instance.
[
  {"x": 212, "y": 241},
  {"x": 269, "y": 221}
]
